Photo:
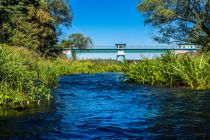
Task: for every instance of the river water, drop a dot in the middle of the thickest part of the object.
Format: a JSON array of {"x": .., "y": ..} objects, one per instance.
[{"x": 103, "y": 106}]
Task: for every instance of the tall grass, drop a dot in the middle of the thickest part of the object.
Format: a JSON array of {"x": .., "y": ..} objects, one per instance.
[
  {"x": 171, "y": 70},
  {"x": 26, "y": 77},
  {"x": 17, "y": 82}
]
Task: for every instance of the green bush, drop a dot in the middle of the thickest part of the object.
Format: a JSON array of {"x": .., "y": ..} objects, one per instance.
[
  {"x": 26, "y": 77},
  {"x": 171, "y": 70},
  {"x": 18, "y": 82}
]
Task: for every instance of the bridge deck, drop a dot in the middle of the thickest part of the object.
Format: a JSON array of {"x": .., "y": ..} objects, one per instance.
[{"x": 131, "y": 50}]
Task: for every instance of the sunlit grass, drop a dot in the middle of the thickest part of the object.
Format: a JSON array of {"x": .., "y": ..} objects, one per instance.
[
  {"x": 171, "y": 70},
  {"x": 25, "y": 76}
]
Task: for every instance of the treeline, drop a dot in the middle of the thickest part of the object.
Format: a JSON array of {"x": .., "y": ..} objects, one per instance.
[
  {"x": 29, "y": 31},
  {"x": 175, "y": 21},
  {"x": 33, "y": 24},
  {"x": 179, "y": 20}
]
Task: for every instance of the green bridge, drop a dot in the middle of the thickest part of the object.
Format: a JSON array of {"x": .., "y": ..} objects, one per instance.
[
  {"x": 121, "y": 51},
  {"x": 159, "y": 50}
]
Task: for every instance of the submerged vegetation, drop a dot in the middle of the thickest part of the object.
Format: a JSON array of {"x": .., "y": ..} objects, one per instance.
[
  {"x": 25, "y": 76},
  {"x": 171, "y": 70}
]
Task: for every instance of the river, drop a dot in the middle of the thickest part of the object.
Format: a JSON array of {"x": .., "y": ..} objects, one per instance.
[{"x": 103, "y": 106}]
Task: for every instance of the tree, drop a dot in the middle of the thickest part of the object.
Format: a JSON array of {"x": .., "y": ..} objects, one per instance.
[
  {"x": 76, "y": 41},
  {"x": 178, "y": 20},
  {"x": 33, "y": 23}
]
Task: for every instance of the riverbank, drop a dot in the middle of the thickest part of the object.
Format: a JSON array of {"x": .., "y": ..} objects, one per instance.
[
  {"x": 26, "y": 77},
  {"x": 171, "y": 70}
]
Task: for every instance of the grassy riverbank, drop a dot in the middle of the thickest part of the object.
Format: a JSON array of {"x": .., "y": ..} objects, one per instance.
[
  {"x": 172, "y": 70},
  {"x": 25, "y": 76}
]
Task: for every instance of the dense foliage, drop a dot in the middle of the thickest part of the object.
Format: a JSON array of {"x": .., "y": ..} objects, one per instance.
[
  {"x": 179, "y": 20},
  {"x": 33, "y": 23},
  {"x": 17, "y": 82},
  {"x": 171, "y": 70},
  {"x": 25, "y": 76},
  {"x": 76, "y": 41}
]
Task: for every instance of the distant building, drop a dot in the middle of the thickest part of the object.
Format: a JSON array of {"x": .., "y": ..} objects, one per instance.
[{"x": 187, "y": 48}]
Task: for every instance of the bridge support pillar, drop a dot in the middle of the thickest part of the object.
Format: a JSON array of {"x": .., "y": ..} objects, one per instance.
[
  {"x": 120, "y": 53},
  {"x": 68, "y": 53},
  {"x": 120, "y": 58}
]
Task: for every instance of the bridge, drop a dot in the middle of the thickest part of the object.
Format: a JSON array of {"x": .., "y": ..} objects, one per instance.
[
  {"x": 121, "y": 51},
  {"x": 141, "y": 50}
]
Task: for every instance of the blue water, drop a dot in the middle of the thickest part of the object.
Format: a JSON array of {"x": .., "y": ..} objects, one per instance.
[{"x": 102, "y": 106}]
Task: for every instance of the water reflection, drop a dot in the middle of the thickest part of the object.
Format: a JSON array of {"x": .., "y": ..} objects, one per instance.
[{"x": 102, "y": 106}]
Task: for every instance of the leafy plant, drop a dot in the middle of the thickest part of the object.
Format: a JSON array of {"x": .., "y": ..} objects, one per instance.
[
  {"x": 171, "y": 70},
  {"x": 26, "y": 77}
]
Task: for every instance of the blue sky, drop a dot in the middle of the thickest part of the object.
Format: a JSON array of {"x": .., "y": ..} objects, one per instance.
[{"x": 109, "y": 21}]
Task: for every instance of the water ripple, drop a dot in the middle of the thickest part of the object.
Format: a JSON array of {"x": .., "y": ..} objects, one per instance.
[{"x": 102, "y": 106}]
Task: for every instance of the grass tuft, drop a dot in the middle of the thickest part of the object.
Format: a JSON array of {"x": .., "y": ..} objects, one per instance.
[
  {"x": 171, "y": 70},
  {"x": 26, "y": 77}
]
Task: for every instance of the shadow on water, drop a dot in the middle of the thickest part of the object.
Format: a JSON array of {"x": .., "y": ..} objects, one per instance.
[{"x": 102, "y": 106}]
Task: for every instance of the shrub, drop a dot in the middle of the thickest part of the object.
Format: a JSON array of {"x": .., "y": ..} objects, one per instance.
[
  {"x": 18, "y": 82},
  {"x": 171, "y": 70},
  {"x": 26, "y": 77}
]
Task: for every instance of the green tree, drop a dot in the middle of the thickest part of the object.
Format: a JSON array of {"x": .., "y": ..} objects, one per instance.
[
  {"x": 33, "y": 24},
  {"x": 178, "y": 20},
  {"x": 76, "y": 41}
]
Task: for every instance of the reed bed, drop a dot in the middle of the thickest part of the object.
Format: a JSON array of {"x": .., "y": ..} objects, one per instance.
[
  {"x": 26, "y": 77},
  {"x": 186, "y": 70}
]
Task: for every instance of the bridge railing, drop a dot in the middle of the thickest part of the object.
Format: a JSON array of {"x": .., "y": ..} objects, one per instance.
[{"x": 131, "y": 50}]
